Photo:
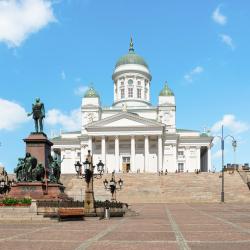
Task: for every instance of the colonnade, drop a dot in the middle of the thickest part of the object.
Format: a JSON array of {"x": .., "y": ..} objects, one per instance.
[{"x": 132, "y": 151}]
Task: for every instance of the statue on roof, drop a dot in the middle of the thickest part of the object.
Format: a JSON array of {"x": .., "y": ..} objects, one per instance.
[{"x": 38, "y": 112}]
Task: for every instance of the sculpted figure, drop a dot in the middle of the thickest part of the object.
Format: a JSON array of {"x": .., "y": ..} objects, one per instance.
[
  {"x": 38, "y": 112},
  {"x": 39, "y": 172},
  {"x": 19, "y": 170},
  {"x": 55, "y": 169},
  {"x": 28, "y": 169}
]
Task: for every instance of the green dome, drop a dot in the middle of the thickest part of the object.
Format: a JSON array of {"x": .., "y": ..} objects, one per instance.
[
  {"x": 166, "y": 91},
  {"x": 91, "y": 92},
  {"x": 131, "y": 57}
]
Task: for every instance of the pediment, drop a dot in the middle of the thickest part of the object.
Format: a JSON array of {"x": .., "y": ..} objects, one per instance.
[
  {"x": 124, "y": 122},
  {"x": 125, "y": 119}
]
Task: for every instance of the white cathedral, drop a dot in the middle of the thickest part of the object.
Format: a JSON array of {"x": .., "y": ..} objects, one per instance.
[{"x": 132, "y": 135}]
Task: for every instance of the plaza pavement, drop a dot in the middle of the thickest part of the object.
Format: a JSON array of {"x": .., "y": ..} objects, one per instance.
[{"x": 156, "y": 226}]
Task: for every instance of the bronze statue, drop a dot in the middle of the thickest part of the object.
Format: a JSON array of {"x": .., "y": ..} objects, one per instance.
[
  {"x": 28, "y": 169},
  {"x": 55, "y": 169},
  {"x": 38, "y": 112}
]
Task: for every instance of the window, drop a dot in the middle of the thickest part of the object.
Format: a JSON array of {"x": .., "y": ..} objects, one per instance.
[
  {"x": 138, "y": 93},
  {"x": 180, "y": 167},
  {"x": 139, "y": 83},
  {"x": 181, "y": 153},
  {"x": 122, "y": 83},
  {"x": 130, "y": 92},
  {"x": 146, "y": 94},
  {"x": 130, "y": 82},
  {"x": 122, "y": 93}
]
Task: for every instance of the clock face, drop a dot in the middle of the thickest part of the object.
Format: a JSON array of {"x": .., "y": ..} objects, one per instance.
[{"x": 90, "y": 117}]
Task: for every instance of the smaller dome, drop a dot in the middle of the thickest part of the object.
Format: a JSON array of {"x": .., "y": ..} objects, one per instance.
[
  {"x": 91, "y": 92},
  {"x": 166, "y": 91},
  {"x": 131, "y": 57}
]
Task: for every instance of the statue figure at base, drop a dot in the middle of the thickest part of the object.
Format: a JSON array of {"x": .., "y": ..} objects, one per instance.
[
  {"x": 29, "y": 170},
  {"x": 38, "y": 112},
  {"x": 54, "y": 169}
]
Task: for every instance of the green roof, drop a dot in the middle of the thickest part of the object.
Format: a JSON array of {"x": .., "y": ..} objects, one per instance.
[
  {"x": 185, "y": 130},
  {"x": 166, "y": 91},
  {"x": 91, "y": 92},
  {"x": 131, "y": 57},
  {"x": 204, "y": 134}
]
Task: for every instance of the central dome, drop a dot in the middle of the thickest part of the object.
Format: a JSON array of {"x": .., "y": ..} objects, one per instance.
[{"x": 131, "y": 58}]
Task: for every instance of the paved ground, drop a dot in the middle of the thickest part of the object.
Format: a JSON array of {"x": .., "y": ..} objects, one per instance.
[{"x": 158, "y": 226}]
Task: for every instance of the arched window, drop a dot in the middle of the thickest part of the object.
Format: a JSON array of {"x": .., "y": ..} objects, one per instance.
[{"x": 130, "y": 82}]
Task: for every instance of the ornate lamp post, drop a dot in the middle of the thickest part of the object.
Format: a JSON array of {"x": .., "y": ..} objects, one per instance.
[
  {"x": 112, "y": 186},
  {"x": 234, "y": 144},
  {"x": 89, "y": 204}
]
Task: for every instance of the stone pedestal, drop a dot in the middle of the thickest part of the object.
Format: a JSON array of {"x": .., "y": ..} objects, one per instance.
[
  {"x": 38, "y": 145},
  {"x": 38, "y": 191}
]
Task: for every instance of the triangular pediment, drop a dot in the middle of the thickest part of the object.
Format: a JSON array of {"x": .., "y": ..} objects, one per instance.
[
  {"x": 125, "y": 119},
  {"x": 124, "y": 122}
]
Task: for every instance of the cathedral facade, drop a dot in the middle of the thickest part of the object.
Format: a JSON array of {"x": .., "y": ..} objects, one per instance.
[{"x": 133, "y": 135}]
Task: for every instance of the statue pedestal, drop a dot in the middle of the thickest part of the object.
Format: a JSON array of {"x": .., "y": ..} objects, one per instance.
[
  {"x": 38, "y": 145},
  {"x": 37, "y": 190}
]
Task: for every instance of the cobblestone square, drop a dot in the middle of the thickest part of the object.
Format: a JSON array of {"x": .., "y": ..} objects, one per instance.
[{"x": 157, "y": 226}]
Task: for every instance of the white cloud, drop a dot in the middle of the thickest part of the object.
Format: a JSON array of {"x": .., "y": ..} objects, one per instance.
[
  {"x": 71, "y": 121},
  {"x": 11, "y": 115},
  {"x": 218, "y": 17},
  {"x": 20, "y": 18},
  {"x": 81, "y": 90},
  {"x": 227, "y": 40},
  {"x": 63, "y": 75},
  {"x": 231, "y": 123},
  {"x": 196, "y": 71}
]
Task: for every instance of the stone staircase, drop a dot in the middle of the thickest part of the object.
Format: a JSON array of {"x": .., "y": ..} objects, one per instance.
[
  {"x": 21, "y": 215},
  {"x": 171, "y": 188}
]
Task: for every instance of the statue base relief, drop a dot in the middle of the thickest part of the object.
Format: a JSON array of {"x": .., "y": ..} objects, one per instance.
[{"x": 38, "y": 191}]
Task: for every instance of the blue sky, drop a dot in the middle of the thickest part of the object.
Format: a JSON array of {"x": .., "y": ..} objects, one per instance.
[{"x": 55, "y": 49}]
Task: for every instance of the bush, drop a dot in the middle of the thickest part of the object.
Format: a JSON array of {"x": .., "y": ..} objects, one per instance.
[
  {"x": 9, "y": 201},
  {"x": 26, "y": 201}
]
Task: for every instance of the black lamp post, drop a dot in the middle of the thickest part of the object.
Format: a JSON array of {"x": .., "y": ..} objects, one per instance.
[
  {"x": 78, "y": 168},
  {"x": 89, "y": 170},
  {"x": 88, "y": 174},
  {"x": 112, "y": 186},
  {"x": 234, "y": 144}
]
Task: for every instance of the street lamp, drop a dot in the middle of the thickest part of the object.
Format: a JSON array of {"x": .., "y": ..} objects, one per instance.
[
  {"x": 112, "y": 187},
  {"x": 234, "y": 144},
  {"x": 78, "y": 168},
  {"x": 89, "y": 169},
  {"x": 88, "y": 174}
]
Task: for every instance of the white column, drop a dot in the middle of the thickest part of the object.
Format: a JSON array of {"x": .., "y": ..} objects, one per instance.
[
  {"x": 104, "y": 151},
  {"x": 198, "y": 156},
  {"x": 159, "y": 153},
  {"x": 209, "y": 161},
  {"x": 90, "y": 144},
  {"x": 117, "y": 154},
  {"x": 146, "y": 151},
  {"x": 132, "y": 167},
  {"x": 82, "y": 157}
]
